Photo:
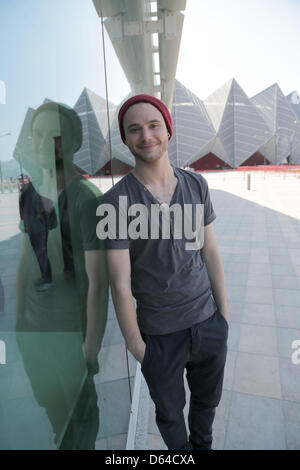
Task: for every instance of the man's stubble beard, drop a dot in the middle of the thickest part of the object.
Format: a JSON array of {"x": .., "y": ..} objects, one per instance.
[{"x": 146, "y": 159}]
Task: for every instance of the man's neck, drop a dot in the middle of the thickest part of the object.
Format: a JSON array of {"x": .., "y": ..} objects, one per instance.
[{"x": 157, "y": 173}]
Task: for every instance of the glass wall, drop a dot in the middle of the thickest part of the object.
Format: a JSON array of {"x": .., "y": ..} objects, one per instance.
[{"x": 65, "y": 376}]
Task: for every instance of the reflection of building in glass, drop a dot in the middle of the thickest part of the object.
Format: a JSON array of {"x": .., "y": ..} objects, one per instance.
[
  {"x": 94, "y": 152},
  {"x": 23, "y": 150},
  {"x": 226, "y": 130},
  {"x": 122, "y": 159}
]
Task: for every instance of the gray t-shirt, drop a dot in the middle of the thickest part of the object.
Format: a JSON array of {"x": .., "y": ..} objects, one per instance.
[{"x": 169, "y": 282}]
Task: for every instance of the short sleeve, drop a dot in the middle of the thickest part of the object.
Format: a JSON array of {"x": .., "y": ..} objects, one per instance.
[
  {"x": 113, "y": 214},
  {"x": 209, "y": 213},
  {"x": 88, "y": 224}
]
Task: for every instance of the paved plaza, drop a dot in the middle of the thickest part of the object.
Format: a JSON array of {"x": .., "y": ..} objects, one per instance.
[{"x": 258, "y": 234}]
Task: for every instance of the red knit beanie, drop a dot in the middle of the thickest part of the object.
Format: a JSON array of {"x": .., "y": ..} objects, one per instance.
[{"x": 145, "y": 99}]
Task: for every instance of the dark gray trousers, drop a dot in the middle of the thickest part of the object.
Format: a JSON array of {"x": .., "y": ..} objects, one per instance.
[{"x": 201, "y": 350}]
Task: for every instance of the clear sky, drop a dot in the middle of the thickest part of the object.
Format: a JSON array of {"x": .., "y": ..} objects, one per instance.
[{"x": 53, "y": 49}]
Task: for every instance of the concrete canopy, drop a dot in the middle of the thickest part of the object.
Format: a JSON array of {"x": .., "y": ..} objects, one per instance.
[{"x": 146, "y": 37}]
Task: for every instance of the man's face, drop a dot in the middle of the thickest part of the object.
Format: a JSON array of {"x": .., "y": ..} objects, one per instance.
[
  {"x": 47, "y": 126},
  {"x": 146, "y": 132}
]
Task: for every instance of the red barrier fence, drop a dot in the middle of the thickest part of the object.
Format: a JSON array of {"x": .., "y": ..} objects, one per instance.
[{"x": 270, "y": 168}]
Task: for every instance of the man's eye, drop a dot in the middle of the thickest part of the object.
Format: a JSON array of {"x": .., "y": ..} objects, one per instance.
[{"x": 134, "y": 129}]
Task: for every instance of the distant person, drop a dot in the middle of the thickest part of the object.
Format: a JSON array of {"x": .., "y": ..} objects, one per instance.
[
  {"x": 60, "y": 330},
  {"x": 181, "y": 320}
]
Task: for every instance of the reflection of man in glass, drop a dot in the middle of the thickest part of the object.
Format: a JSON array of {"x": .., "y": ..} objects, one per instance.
[
  {"x": 39, "y": 216},
  {"x": 72, "y": 314}
]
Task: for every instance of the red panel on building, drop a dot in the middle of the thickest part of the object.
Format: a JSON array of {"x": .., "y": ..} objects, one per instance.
[
  {"x": 116, "y": 168},
  {"x": 209, "y": 162},
  {"x": 256, "y": 159}
]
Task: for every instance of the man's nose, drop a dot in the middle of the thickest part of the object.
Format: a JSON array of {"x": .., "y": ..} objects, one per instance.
[{"x": 146, "y": 134}]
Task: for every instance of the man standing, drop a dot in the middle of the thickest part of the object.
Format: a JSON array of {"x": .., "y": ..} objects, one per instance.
[{"x": 180, "y": 322}]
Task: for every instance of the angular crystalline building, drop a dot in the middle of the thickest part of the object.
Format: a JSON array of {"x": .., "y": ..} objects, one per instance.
[
  {"x": 294, "y": 100},
  {"x": 283, "y": 123},
  {"x": 118, "y": 148},
  {"x": 193, "y": 132},
  {"x": 23, "y": 150},
  {"x": 94, "y": 152},
  {"x": 240, "y": 128},
  {"x": 227, "y": 130}
]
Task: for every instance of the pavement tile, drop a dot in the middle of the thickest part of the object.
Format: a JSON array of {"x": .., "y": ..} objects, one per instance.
[
  {"x": 276, "y": 258},
  {"x": 263, "y": 295},
  {"x": 280, "y": 251},
  {"x": 117, "y": 442},
  {"x": 257, "y": 374},
  {"x": 286, "y": 337},
  {"x": 275, "y": 242},
  {"x": 229, "y": 370},
  {"x": 219, "y": 425},
  {"x": 236, "y": 279},
  {"x": 282, "y": 269},
  {"x": 259, "y": 280},
  {"x": 224, "y": 249},
  {"x": 255, "y": 423},
  {"x": 259, "y": 268},
  {"x": 113, "y": 334},
  {"x": 297, "y": 270},
  {"x": 241, "y": 250},
  {"x": 291, "y": 413},
  {"x": 239, "y": 257},
  {"x": 287, "y": 316},
  {"x": 114, "y": 404},
  {"x": 294, "y": 252},
  {"x": 233, "y": 335},
  {"x": 156, "y": 443},
  {"x": 285, "y": 282},
  {"x": 235, "y": 311},
  {"x": 233, "y": 267},
  {"x": 258, "y": 339},
  {"x": 236, "y": 292},
  {"x": 287, "y": 297},
  {"x": 259, "y": 314},
  {"x": 290, "y": 379},
  {"x": 113, "y": 363},
  {"x": 259, "y": 259},
  {"x": 296, "y": 260}
]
